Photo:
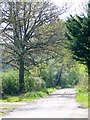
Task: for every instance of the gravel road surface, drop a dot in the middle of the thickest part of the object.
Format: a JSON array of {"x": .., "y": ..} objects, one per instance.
[{"x": 60, "y": 104}]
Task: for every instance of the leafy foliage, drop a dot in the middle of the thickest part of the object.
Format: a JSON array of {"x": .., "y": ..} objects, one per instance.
[
  {"x": 10, "y": 82},
  {"x": 79, "y": 38},
  {"x": 29, "y": 96},
  {"x": 82, "y": 88},
  {"x": 34, "y": 84},
  {"x": 21, "y": 35}
]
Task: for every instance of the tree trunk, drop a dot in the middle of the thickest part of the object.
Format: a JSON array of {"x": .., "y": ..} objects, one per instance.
[
  {"x": 88, "y": 66},
  {"x": 59, "y": 78},
  {"x": 21, "y": 76}
]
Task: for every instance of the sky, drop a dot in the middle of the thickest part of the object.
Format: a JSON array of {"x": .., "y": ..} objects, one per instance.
[{"x": 76, "y": 6}]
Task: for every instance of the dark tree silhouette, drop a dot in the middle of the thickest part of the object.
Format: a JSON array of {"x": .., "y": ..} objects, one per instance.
[{"x": 79, "y": 38}]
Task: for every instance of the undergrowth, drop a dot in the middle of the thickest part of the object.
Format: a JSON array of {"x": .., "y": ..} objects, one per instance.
[
  {"x": 83, "y": 96},
  {"x": 29, "y": 96}
]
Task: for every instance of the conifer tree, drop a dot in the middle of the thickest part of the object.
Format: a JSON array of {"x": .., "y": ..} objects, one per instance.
[{"x": 79, "y": 38}]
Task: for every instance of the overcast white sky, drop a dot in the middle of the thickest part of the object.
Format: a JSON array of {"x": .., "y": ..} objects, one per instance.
[{"x": 76, "y": 6}]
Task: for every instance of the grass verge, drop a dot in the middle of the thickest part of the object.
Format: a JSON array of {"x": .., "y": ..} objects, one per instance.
[
  {"x": 29, "y": 96},
  {"x": 84, "y": 99}
]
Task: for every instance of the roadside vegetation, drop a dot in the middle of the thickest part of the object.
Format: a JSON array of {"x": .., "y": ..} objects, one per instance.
[
  {"x": 83, "y": 98},
  {"x": 79, "y": 43},
  {"x": 42, "y": 53},
  {"x": 82, "y": 89},
  {"x": 38, "y": 82},
  {"x": 29, "y": 96}
]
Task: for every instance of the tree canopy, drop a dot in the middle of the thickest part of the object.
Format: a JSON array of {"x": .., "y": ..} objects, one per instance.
[
  {"x": 79, "y": 38},
  {"x": 20, "y": 26}
]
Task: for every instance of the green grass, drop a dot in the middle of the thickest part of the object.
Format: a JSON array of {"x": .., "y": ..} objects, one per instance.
[
  {"x": 58, "y": 87},
  {"x": 32, "y": 96},
  {"x": 29, "y": 96},
  {"x": 82, "y": 97}
]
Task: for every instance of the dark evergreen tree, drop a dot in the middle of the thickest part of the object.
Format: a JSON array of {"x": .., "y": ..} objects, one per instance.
[{"x": 79, "y": 38}]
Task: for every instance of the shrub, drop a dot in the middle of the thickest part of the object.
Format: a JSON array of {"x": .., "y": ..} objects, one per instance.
[
  {"x": 10, "y": 82},
  {"x": 83, "y": 86},
  {"x": 49, "y": 76},
  {"x": 34, "y": 84},
  {"x": 50, "y": 90},
  {"x": 58, "y": 87}
]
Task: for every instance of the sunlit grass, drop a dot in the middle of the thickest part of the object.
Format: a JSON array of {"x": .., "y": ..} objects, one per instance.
[
  {"x": 29, "y": 96},
  {"x": 83, "y": 98}
]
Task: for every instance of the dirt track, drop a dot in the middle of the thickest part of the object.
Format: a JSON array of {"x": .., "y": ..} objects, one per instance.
[{"x": 60, "y": 104}]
